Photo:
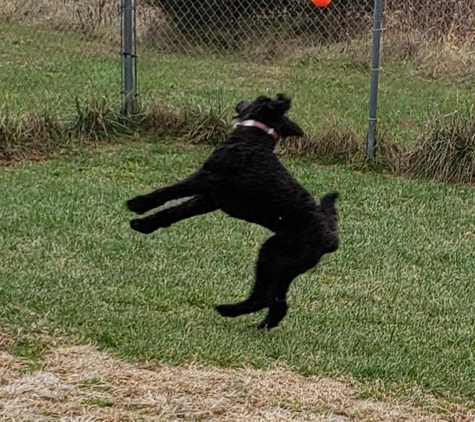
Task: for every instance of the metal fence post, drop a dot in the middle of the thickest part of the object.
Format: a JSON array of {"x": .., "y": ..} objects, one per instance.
[
  {"x": 128, "y": 56},
  {"x": 373, "y": 97}
]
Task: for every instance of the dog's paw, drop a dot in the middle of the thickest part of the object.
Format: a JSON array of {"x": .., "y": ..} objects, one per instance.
[
  {"x": 259, "y": 326},
  {"x": 139, "y": 204},
  {"x": 223, "y": 310},
  {"x": 229, "y": 311},
  {"x": 141, "y": 226}
]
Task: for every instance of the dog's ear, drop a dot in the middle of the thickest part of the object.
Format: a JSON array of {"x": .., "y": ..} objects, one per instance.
[
  {"x": 278, "y": 105},
  {"x": 282, "y": 103},
  {"x": 242, "y": 107}
]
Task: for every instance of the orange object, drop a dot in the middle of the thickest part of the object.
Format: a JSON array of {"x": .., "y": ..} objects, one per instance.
[{"x": 321, "y": 3}]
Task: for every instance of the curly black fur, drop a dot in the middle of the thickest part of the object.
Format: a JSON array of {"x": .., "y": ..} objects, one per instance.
[{"x": 244, "y": 178}]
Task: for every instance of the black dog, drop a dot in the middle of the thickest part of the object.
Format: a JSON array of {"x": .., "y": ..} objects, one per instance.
[{"x": 245, "y": 179}]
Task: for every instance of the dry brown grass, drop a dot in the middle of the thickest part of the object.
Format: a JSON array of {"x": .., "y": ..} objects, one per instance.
[
  {"x": 434, "y": 20},
  {"x": 80, "y": 383},
  {"x": 443, "y": 59},
  {"x": 447, "y": 151},
  {"x": 392, "y": 158},
  {"x": 191, "y": 125},
  {"x": 28, "y": 137},
  {"x": 335, "y": 145},
  {"x": 95, "y": 18},
  {"x": 35, "y": 136},
  {"x": 437, "y": 36}
]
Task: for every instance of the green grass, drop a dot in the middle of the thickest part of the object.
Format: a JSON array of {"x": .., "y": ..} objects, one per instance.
[
  {"x": 45, "y": 69},
  {"x": 395, "y": 303}
]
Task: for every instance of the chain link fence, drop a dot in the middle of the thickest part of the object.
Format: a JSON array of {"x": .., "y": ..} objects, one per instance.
[
  {"x": 230, "y": 26},
  {"x": 56, "y": 53},
  {"x": 272, "y": 27}
]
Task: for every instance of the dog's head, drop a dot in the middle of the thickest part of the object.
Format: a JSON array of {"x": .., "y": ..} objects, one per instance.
[{"x": 271, "y": 112}]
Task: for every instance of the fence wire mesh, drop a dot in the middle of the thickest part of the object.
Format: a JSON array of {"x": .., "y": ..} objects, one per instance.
[
  {"x": 56, "y": 51},
  {"x": 223, "y": 26}
]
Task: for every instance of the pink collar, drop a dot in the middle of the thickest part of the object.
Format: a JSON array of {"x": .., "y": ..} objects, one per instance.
[{"x": 254, "y": 123}]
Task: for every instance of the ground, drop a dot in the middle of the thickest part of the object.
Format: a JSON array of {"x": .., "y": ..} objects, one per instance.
[
  {"x": 387, "y": 321},
  {"x": 100, "y": 323},
  {"x": 81, "y": 383}
]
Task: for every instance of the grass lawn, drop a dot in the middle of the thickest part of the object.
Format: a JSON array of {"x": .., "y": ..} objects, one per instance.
[
  {"x": 42, "y": 69},
  {"x": 395, "y": 303}
]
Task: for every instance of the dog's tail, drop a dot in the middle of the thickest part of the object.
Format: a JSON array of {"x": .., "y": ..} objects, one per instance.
[
  {"x": 329, "y": 210},
  {"x": 328, "y": 200}
]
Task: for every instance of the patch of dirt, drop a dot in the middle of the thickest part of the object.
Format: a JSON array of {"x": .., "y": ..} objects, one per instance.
[
  {"x": 80, "y": 383},
  {"x": 5, "y": 341}
]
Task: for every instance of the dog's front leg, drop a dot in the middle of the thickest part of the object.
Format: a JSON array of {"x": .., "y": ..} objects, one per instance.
[
  {"x": 197, "y": 184},
  {"x": 197, "y": 205}
]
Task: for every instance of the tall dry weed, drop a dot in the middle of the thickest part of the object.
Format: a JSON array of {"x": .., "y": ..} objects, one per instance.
[{"x": 92, "y": 18}]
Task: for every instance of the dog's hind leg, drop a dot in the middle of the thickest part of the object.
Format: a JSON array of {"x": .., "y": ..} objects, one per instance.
[
  {"x": 197, "y": 205},
  {"x": 278, "y": 305},
  {"x": 266, "y": 271},
  {"x": 281, "y": 259},
  {"x": 196, "y": 184},
  {"x": 257, "y": 300},
  {"x": 241, "y": 308},
  {"x": 285, "y": 271}
]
